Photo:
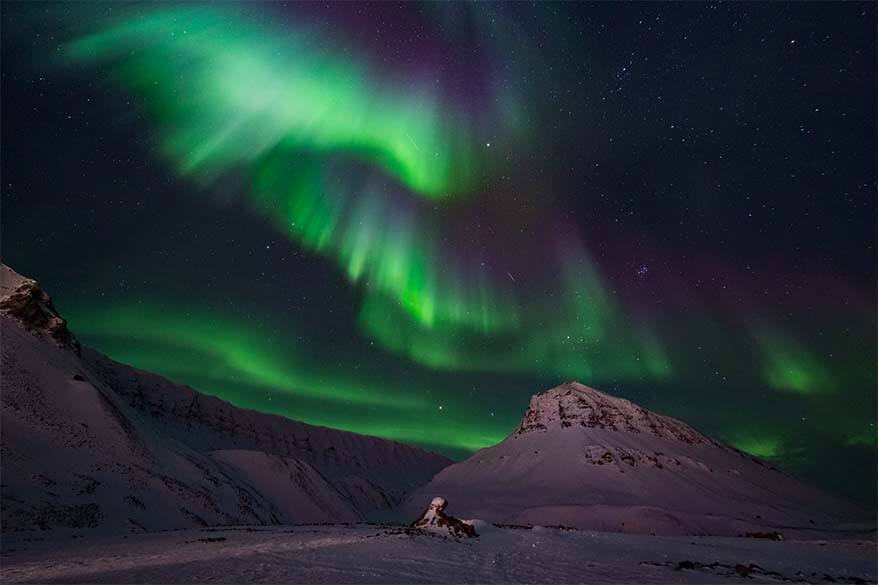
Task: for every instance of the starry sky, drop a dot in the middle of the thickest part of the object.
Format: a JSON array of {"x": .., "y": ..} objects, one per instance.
[{"x": 403, "y": 220}]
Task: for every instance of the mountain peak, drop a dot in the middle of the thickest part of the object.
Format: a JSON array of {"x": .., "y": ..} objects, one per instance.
[
  {"x": 24, "y": 299},
  {"x": 574, "y": 405},
  {"x": 590, "y": 460}
]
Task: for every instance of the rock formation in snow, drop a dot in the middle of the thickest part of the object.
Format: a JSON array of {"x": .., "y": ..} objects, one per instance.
[
  {"x": 87, "y": 442},
  {"x": 435, "y": 518},
  {"x": 585, "y": 459}
]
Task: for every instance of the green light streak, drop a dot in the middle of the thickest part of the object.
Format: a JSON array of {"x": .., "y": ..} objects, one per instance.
[
  {"x": 382, "y": 242},
  {"x": 202, "y": 347},
  {"x": 868, "y": 438},
  {"x": 440, "y": 431},
  {"x": 240, "y": 362},
  {"x": 299, "y": 115},
  {"x": 582, "y": 334},
  {"x": 343, "y": 161},
  {"x": 763, "y": 447},
  {"x": 789, "y": 367},
  {"x": 227, "y": 89}
]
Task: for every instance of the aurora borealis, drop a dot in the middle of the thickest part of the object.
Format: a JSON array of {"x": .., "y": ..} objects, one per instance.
[{"x": 404, "y": 220}]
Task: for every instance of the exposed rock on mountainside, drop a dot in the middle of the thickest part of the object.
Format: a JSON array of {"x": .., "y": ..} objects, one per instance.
[
  {"x": 574, "y": 404},
  {"x": 87, "y": 442},
  {"x": 24, "y": 300}
]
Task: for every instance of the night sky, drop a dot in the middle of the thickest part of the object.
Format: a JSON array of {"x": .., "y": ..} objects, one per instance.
[{"x": 403, "y": 220}]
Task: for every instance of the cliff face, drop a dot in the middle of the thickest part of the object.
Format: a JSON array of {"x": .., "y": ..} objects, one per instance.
[{"x": 87, "y": 442}]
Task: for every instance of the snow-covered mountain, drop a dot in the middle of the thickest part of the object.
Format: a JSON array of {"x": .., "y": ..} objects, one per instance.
[
  {"x": 87, "y": 442},
  {"x": 582, "y": 458}
]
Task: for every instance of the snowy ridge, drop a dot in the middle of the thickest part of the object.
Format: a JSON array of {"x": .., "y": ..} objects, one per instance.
[{"x": 88, "y": 443}]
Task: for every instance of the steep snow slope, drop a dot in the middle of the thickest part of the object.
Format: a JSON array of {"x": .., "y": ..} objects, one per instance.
[
  {"x": 315, "y": 500},
  {"x": 372, "y": 473},
  {"x": 90, "y": 443},
  {"x": 586, "y": 459}
]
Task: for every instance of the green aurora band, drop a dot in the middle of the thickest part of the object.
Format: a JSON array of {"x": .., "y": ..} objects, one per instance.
[
  {"x": 309, "y": 138},
  {"x": 228, "y": 89},
  {"x": 393, "y": 251},
  {"x": 580, "y": 333},
  {"x": 280, "y": 105},
  {"x": 788, "y": 367},
  {"x": 380, "y": 176},
  {"x": 759, "y": 446},
  {"x": 235, "y": 360}
]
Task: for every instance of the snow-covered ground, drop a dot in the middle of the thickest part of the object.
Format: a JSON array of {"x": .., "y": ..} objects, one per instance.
[{"x": 385, "y": 554}]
